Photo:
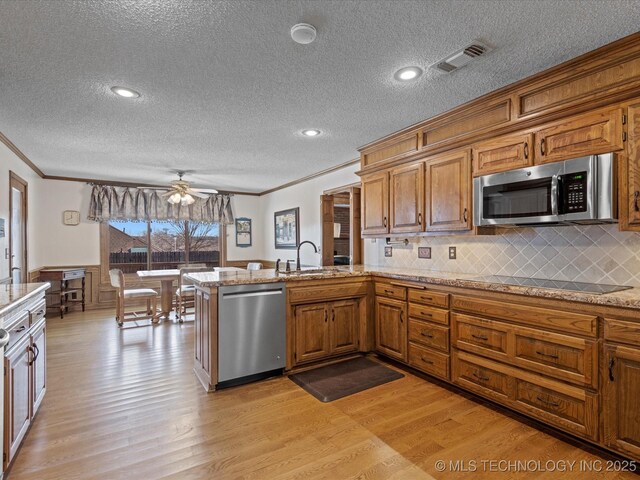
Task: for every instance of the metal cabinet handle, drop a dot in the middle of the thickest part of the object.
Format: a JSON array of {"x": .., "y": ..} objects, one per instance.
[
  {"x": 612, "y": 363},
  {"x": 426, "y": 314},
  {"x": 35, "y": 346},
  {"x": 636, "y": 198},
  {"x": 420, "y": 218},
  {"x": 480, "y": 337},
  {"x": 547, "y": 402},
  {"x": 428, "y": 299},
  {"x": 388, "y": 291},
  {"x": 428, "y": 335},
  {"x": 325, "y": 316},
  {"x": 543, "y": 149},
  {"x": 401, "y": 316},
  {"x": 526, "y": 150},
  {"x": 465, "y": 216},
  {"x": 547, "y": 355},
  {"x": 479, "y": 376},
  {"x": 21, "y": 329},
  {"x": 384, "y": 222},
  {"x": 31, "y": 350},
  {"x": 428, "y": 362},
  {"x": 333, "y": 315}
]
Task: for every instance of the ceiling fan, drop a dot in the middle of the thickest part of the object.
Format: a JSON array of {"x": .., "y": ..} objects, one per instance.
[{"x": 180, "y": 191}]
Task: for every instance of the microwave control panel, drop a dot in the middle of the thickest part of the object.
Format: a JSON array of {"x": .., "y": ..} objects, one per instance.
[{"x": 574, "y": 192}]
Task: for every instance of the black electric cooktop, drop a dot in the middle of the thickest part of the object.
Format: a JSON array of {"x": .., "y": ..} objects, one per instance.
[{"x": 595, "y": 288}]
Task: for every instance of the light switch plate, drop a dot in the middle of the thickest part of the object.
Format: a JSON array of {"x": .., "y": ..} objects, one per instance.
[
  {"x": 388, "y": 251},
  {"x": 452, "y": 253},
  {"x": 424, "y": 252}
]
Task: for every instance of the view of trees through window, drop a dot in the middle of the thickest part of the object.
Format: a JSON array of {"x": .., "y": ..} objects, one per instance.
[{"x": 155, "y": 245}]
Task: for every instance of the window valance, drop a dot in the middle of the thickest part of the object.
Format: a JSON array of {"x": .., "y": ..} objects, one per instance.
[{"x": 143, "y": 204}]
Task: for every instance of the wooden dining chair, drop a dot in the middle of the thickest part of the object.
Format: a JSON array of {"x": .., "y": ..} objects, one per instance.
[
  {"x": 186, "y": 292},
  {"x": 124, "y": 295}
]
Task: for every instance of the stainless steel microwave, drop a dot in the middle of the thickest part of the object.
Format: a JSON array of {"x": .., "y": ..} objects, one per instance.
[{"x": 577, "y": 191}]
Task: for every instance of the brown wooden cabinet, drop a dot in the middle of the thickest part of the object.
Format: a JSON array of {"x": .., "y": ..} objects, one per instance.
[
  {"x": 17, "y": 396},
  {"x": 629, "y": 178},
  {"x": 503, "y": 153},
  {"x": 621, "y": 380},
  {"x": 595, "y": 132},
  {"x": 448, "y": 186},
  {"x": 406, "y": 198},
  {"x": 325, "y": 329},
  {"x": 375, "y": 204},
  {"x": 391, "y": 327}
]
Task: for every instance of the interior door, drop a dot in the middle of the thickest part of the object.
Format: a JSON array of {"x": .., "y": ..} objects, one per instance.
[
  {"x": 17, "y": 229},
  {"x": 326, "y": 214}
]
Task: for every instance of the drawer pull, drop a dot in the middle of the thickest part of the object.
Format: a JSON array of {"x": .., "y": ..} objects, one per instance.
[
  {"x": 425, "y": 334},
  {"x": 428, "y": 362},
  {"x": 526, "y": 150},
  {"x": 21, "y": 329},
  {"x": 40, "y": 312},
  {"x": 547, "y": 402},
  {"x": 479, "y": 376},
  {"x": 547, "y": 355},
  {"x": 427, "y": 299},
  {"x": 426, "y": 314},
  {"x": 390, "y": 292},
  {"x": 480, "y": 337}
]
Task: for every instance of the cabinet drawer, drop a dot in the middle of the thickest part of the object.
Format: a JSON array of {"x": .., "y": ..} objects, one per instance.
[
  {"x": 535, "y": 316},
  {"x": 71, "y": 274},
  {"x": 481, "y": 379},
  {"x": 429, "y": 335},
  {"x": 621, "y": 331},
  {"x": 480, "y": 336},
  {"x": 428, "y": 297},
  {"x": 38, "y": 312},
  {"x": 578, "y": 414},
  {"x": 429, "y": 361},
  {"x": 430, "y": 314},
  {"x": 323, "y": 293},
  {"x": 391, "y": 291},
  {"x": 17, "y": 330}
]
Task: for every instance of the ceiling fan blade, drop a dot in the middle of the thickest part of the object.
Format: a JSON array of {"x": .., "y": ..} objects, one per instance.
[
  {"x": 167, "y": 194},
  {"x": 195, "y": 193},
  {"x": 205, "y": 190}
]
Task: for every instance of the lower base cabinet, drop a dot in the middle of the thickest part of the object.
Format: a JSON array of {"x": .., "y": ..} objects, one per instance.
[{"x": 391, "y": 328}]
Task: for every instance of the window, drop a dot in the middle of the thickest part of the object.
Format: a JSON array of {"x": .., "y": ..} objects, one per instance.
[{"x": 156, "y": 245}]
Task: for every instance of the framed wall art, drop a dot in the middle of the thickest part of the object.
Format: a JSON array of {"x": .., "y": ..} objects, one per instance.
[
  {"x": 243, "y": 232},
  {"x": 286, "y": 228}
]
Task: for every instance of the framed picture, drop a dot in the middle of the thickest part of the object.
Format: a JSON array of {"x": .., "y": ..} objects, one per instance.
[
  {"x": 286, "y": 229},
  {"x": 243, "y": 232}
]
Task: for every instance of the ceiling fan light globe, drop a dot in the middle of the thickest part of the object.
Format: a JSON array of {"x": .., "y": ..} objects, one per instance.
[
  {"x": 175, "y": 198},
  {"x": 187, "y": 199}
]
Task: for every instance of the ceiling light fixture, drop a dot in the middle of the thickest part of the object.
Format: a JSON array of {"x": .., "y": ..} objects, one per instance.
[
  {"x": 303, "y": 33},
  {"x": 311, "y": 132},
  {"x": 125, "y": 92},
  {"x": 408, "y": 73}
]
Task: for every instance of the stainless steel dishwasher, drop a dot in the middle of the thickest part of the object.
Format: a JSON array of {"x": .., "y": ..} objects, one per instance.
[{"x": 251, "y": 332}]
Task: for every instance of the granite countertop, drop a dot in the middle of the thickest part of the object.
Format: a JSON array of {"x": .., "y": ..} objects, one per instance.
[
  {"x": 12, "y": 295},
  {"x": 626, "y": 298}
]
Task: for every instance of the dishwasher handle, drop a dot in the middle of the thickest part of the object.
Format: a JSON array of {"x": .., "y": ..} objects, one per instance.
[{"x": 254, "y": 293}]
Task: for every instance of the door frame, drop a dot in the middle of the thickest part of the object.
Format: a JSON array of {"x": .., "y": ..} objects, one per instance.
[
  {"x": 356, "y": 243},
  {"x": 15, "y": 181}
]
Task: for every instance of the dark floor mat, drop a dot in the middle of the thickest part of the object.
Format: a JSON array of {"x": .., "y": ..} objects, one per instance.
[{"x": 345, "y": 378}]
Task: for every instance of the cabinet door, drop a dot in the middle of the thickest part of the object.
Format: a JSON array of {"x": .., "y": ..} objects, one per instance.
[
  {"x": 17, "y": 397},
  {"x": 621, "y": 378},
  {"x": 501, "y": 154},
  {"x": 312, "y": 332},
  {"x": 588, "y": 134},
  {"x": 375, "y": 203},
  {"x": 449, "y": 192},
  {"x": 629, "y": 165},
  {"x": 391, "y": 328},
  {"x": 406, "y": 196},
  {"x": 39, "y": 365},
  {"x": 344, "y": 326}
]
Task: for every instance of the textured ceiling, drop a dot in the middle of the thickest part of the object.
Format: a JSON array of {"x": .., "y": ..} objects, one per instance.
[{"x": 225, "y": 90}]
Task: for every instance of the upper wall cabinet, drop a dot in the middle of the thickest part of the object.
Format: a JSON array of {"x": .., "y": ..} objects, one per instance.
[
  {"x": 449, "y": 192},
  {"x": 406, "y": 196},
  {"x": 375, "y": 204},
  {"x": 588, "y": 134},
  {"x": 629, "y": 168},
  {"x": 503, "y": 153}
]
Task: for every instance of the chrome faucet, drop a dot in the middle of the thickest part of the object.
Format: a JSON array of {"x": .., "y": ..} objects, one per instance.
[{"x": 298, "y": 253}]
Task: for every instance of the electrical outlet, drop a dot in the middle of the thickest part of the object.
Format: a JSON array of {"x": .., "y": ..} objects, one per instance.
[
  {"x": 388, "y": 251},
  {"x": 452, "y": 253},
  {"x": 424, "y": 252}
]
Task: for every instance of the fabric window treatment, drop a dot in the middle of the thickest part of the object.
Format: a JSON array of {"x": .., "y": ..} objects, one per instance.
[{"x": 145, "y": 204}]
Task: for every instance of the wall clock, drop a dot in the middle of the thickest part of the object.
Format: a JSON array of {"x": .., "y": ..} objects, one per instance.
[{"x": 71, "y": 217}]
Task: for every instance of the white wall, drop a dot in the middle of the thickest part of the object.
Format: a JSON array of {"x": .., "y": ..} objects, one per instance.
[
  {"x": 9, "y": 162},
  {"x": 246, "y": 206},
  {"x": 305, "y": 195},
  {"x": 59, "y": 244}
]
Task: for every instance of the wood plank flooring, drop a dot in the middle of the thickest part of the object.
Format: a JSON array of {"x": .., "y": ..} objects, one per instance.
[{"x": 125, "y": 404}]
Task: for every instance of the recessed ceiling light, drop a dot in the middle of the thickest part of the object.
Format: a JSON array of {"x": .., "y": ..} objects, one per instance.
[
  {"x": 311, "y": 133},
  {"x": 408, "y": 73},
  {"x": 125, "y": 92}
]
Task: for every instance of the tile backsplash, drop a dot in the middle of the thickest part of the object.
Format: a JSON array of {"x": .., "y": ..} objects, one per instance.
[{"x": 594, "y": 253}]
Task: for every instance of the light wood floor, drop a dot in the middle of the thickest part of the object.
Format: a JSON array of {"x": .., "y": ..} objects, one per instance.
[{"x": 124, "y": 404}]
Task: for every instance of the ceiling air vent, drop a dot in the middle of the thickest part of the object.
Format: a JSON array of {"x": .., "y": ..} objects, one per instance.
[{"x": 461, "y": 57}]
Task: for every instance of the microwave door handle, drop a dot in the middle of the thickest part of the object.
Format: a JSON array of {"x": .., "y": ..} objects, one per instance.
[{"x": 554, "y": 195}]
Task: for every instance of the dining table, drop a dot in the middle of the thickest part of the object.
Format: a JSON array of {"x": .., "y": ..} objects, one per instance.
[{"x": 166, "y": 279}]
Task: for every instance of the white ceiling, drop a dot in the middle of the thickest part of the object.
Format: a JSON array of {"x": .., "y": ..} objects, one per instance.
[{"x": 225, "y": 90}]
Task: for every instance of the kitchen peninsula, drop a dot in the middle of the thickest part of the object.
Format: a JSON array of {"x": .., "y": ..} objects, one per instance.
[{"x": 550, "y": 354}]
